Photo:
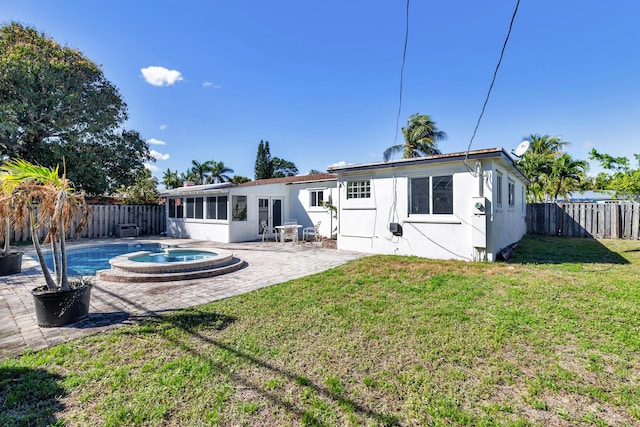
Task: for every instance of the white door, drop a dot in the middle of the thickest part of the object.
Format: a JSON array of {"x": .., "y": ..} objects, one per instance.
[{"x": 270, "y": 210}]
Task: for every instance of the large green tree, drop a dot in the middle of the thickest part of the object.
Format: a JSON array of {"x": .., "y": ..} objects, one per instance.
[
  {"x": 57, "y": 103},
  {"x": 171, "y": 179},
  {"x": 218, "y": 172},
  {"x": 552, "y": 172},
  {"x": 263, "y": 167},
  {"x": 421, "y": 136},
  {"x": 143, "y": 192},
  {"x": 272, "y": 167},
  {"x": 567, "y": 176},
  {"x": 199, "y": 171},
  {"x": 620, "y": 179}
]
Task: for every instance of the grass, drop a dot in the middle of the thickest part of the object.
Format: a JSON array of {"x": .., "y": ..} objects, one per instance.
[{"x": 552, "y": 338}]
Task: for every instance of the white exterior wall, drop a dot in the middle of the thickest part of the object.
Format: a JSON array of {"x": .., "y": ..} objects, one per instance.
[
  {"x": 364, "y": 223},
  {"x": 307, "y": 215},
  {"x": 245, "y": 231},
  {"x": 202, "y": 229},
  {"x": 507, "y": 223},
  {"x": 228, "y": 231}
]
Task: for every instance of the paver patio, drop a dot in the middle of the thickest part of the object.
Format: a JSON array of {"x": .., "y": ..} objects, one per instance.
[{"x": 114, "y": 304}]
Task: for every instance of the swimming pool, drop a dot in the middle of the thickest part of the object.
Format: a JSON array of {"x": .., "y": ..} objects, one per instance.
[{"x": 85, "y": 260}]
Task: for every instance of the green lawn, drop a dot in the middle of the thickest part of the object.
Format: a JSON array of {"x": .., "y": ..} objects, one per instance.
[{"x": 552, "y": 338}]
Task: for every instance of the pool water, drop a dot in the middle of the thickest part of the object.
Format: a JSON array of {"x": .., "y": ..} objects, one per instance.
[
  {"x": 181, "y": 256},
  {"x": 84, "y": 261}
]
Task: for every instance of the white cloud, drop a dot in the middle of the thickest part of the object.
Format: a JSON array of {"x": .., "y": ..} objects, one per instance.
[
  {"x": 163, "y": 127},
  {"x": 211, "y": 85},
  {"x": 158, "y": 156},
  {"x": 160, "y": 76},
  {"x": 154, "y": 141},
  {"x": 152, "y": 168}
]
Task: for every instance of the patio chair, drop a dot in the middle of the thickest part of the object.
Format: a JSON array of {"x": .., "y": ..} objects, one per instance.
[
  {"x": 266, "y": 232},
  {"x": 290, "y": 230},
  {"x": 309, "y": 232}
]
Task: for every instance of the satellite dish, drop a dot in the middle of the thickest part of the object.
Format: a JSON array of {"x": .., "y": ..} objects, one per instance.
[{"x": 522, "y": 148}]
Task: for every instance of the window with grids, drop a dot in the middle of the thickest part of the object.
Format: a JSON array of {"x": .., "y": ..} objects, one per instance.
[
  {"x": 359, "y": 189},
  {"x": 499, "y": 189},
  {"x": 175, "y": 208},
  {"x": 316, "y": 197},
  {"x": 239, "y": 208},
  {"x": 431, "y": 195},
  {"x": 194, "y": 207},
  {"x": 512, "y": 193},
  {"x": 217, "y": 207}
]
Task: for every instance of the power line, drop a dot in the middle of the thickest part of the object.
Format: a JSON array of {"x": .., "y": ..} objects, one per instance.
[
  {"x": 404, "y": 57},
  {"x": 495, "y": 73}
]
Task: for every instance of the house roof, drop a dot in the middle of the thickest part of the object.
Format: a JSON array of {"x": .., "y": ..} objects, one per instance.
[
  {"x": 292, "y": 179},
  {"x": 195, "y": 189},
  {"x": 207, "y": 188},
  {"x": 437, "y": 158}
]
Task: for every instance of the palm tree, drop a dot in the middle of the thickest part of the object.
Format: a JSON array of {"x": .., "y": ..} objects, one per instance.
[
  {"x": 549, "y": 169},
  {"x": 568, "y": 174},
  {"x": 200, "y": 170},
  {"x": 218, "y": 172},
  {"x": 171, "y": 179},
  {"x": 421, "y": 138},
  {"x": 58, "y": 205}
]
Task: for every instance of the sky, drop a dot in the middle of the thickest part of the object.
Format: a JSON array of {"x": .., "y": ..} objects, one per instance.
[{"x": 208, "y": 80}]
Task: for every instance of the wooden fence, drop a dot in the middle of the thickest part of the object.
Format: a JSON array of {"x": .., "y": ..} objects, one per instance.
[
  {"x": 150, "y": 220},
  {"x": 602, "y": 220}
]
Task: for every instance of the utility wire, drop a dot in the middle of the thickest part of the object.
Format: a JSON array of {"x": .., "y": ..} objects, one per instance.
[
  {"x": 404, "y": 57},
  {"x": 495, "y": 73}
]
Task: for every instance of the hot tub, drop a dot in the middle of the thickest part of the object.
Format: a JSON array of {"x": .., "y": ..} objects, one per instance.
[{"x": 172, "y": 260}]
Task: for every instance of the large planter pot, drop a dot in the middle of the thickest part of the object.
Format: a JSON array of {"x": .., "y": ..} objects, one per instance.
[
  {"x": 58, "y": 308},
  {"x": 10, "y": 263}
]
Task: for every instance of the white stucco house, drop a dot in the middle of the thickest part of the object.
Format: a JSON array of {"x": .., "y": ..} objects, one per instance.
[
  {"x": 229, "y": 212},
  {"x": 465, "y": 206}
]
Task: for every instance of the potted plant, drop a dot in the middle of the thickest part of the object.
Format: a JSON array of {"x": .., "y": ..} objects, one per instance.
[
  {"x": 10, "y": 261},
  {"x": 61, "y": 301}
]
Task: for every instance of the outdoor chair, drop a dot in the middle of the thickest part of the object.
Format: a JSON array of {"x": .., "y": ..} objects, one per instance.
[
  {"x": 266, "y": 232},
  {"x": 311, "y": 232},
  {"x": 290, "y": 230}
]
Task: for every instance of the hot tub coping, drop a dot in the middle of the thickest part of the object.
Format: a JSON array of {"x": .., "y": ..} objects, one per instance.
[{"x": 124, "y": 262}]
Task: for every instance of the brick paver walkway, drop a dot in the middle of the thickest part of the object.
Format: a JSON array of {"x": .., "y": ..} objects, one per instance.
[{"x": 115, "y": 304}]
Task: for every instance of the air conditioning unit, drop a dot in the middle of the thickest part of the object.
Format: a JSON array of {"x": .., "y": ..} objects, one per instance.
[{"x": 126, "y": 230}]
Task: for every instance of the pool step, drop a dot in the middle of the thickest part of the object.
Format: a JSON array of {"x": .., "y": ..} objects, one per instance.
[{"x": 118, "y": 275}]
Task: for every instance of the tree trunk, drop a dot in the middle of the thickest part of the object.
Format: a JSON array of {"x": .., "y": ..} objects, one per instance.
[
  {"x": 7, "y": 232},
  {"x": 36, "y": 245},
  {"x": 63, "y": 257},
  {"x": 56, "y": 260}
]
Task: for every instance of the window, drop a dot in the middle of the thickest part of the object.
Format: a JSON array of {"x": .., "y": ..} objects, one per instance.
[
  {"x": 432, "y": 194},
  {"x": 499, "y": 189},
  {"x": 442, "y": 194},
  {"x": 175, "y": 208},
  {"x": 217, "y": 207},
  {"x": 239, "y": 210},
  {"x": 420, "y": 195},
  {"x": 194, "y": 207},
  {"x": 316, "y": 197},
  {"x": 512, "y": 193},
  {"x": 199, "y": 207},
  {"x": 358, "y": 189}
]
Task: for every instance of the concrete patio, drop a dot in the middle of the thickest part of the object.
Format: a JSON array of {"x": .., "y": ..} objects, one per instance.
[{"x": 114, "y": 304}]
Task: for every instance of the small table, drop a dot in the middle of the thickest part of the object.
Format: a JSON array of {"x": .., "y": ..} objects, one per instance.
[{"x": 288, "y": 229}]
